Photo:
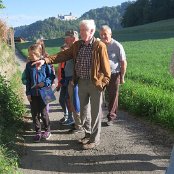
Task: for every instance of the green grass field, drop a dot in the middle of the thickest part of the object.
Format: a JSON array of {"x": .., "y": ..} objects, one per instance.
[
  {"x": 149, "y": 85},
  {"x": 149, "y": 88}
]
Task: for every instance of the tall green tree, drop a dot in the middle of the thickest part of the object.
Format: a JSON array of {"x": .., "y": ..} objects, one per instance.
[
  {"x": 146, "y": 11},
  {"x": 1, "y": 4}
]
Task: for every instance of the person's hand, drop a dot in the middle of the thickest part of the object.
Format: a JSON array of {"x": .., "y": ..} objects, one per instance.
[
  {"x": 29, "y": 98},
  {"x": 99, "y": 87},
  {"x": 46, "y": 54},
  {"x": 39, "y": 63},
  {"x": 58, "y": 88},
  {"x": 72, "y": 83},
  {"x": 41, "y": 84}
]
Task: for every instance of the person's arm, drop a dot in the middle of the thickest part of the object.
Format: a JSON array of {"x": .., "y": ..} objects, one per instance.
[
  {"x": 123, "y": 71},
  {"x": 123, "y": 62},
  {"x": 105, "y": 65},
  {"x": 62, "y": 56}
]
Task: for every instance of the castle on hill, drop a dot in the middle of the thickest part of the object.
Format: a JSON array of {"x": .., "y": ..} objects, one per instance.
[{"x": 67, "y": 17}]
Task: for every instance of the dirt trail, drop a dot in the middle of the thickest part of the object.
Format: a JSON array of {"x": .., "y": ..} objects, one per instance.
[{"x": 130, "y": 146}]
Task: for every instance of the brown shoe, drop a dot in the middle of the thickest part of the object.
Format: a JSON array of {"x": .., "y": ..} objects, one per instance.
[
  {"x": 84, "y": 140},
  {"x": 90, "y": 145}
]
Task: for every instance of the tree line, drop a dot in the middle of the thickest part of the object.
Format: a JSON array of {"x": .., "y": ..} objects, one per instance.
[
  {"x": 1, "y": 4},
  {"x": 146, "y": 11}
]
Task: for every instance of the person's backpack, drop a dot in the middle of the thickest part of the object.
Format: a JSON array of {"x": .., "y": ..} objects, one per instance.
[{"x": 23, "y": 78}]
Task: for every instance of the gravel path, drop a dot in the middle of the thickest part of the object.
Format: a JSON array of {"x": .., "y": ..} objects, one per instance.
[{"x": 130, "y": 146}]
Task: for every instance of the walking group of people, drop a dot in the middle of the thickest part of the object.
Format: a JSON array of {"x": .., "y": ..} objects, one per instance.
[{"x": 87, "y": 67}]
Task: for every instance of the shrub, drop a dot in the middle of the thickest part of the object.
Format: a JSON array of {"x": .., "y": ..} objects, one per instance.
[
  {"x": 11, "y": 106},
  {"x": 3, "y": 31},
  {"x": 8, "y": 161}
]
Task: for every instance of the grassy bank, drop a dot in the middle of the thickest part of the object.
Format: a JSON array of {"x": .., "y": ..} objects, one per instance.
[
  {"x": 11, "y": 111},
  {"x": 149, "y": 87}
]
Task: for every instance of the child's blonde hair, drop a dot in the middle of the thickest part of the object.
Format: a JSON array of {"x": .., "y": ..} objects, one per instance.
[
  {"x": 42, "y": 44},
  {"x": 36, "y": 49}
]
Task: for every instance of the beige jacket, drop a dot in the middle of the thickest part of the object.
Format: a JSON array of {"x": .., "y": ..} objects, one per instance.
[{"x": 100, "y": 70}]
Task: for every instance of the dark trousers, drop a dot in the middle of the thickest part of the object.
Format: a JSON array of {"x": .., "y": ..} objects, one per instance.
[
  {"x": 62, "y": 99},
  {"x": 38, "y": 108},
  {"x": 113, "y": 90}
]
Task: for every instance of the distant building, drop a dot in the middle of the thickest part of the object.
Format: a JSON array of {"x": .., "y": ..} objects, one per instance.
[{"x": 67, "y": 17}]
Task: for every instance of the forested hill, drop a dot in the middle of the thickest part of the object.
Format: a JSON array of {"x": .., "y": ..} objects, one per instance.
[
  {"x": 111, "y": 16},
  {"x": 128, "y": 14},
  {"x": 54, "y": 28}
]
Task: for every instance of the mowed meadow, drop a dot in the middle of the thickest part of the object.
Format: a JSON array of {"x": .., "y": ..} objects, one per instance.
[{"x": 149, "y": 88}]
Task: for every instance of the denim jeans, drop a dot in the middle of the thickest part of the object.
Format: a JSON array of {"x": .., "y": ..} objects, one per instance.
[
  {"x": 62, "y": 100},
  {"x": 170, "y": 169},
  {"x": 75, "y": 104}
]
